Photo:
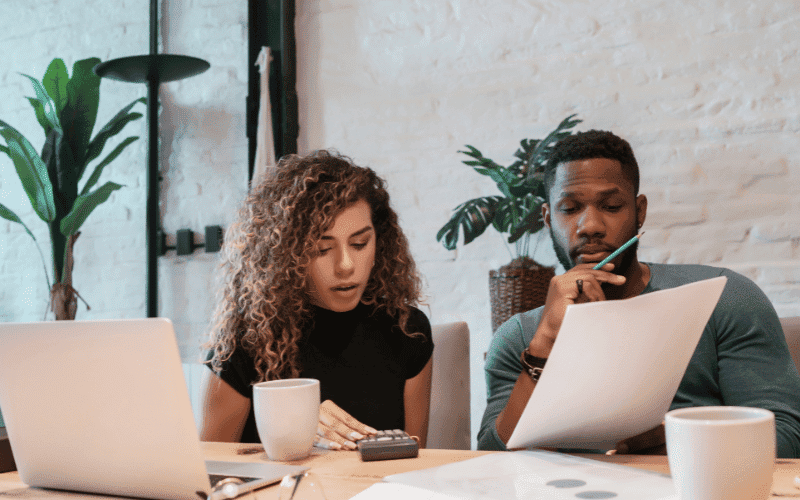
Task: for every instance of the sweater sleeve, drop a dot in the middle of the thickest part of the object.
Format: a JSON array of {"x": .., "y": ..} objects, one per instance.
[
  {"x": 755, "y": 367},
  {"x": 502, "y": 370}
]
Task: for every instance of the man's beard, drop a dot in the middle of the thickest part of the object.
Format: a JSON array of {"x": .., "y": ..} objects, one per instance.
[{"x": 624, "y": 265}]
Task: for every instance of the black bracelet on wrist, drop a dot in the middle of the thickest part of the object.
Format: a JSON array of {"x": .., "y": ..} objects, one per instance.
[{"x": 532, "y": 364}]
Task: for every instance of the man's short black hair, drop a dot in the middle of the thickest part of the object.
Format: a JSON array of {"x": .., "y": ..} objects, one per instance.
[{"x": 588, "y": 145}]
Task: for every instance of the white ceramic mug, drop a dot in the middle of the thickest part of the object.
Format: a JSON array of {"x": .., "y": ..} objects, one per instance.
[
  {"x": 721, "y": 452},
  {"x": 287, "y": 412}
]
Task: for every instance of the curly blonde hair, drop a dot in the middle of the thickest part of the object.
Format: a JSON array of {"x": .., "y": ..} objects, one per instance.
[{"x": 264, "y": 305}]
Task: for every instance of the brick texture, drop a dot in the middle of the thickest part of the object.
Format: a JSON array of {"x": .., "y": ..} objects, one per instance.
[
  {"x": 706, "y": 94},
  {"x": 203, "y": 156}
]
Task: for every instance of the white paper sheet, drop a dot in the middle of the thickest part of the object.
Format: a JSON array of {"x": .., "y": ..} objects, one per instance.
[
  {"x": 615, "y": 367},
  {"x": 392, "y": 491},
  {"x": 531, "y": 474}
]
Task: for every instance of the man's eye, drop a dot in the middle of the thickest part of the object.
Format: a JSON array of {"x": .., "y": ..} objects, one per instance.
[
  {"x": 613, "y": 208},
  {"x": 569, "y": 209}
]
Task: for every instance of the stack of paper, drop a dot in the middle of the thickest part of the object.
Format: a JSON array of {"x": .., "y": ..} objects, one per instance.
[{"x": 525, "y": 475}]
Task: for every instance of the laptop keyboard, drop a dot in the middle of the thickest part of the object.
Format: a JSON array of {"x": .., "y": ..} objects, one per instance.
[{"x": 215, "y": 478}]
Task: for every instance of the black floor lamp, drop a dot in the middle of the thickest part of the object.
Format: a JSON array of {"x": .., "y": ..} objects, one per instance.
[{"x": 152, "y": 69}]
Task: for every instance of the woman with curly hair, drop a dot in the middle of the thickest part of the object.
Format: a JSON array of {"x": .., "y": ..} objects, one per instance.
[{"x": 319, "y": 283}]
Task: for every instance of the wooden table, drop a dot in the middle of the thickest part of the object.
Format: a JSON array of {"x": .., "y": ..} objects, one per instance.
[{"x": 343, "y": 474}]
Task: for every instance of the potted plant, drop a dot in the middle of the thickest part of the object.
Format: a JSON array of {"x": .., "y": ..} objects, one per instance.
[
  {"x": 66, "y": 108},
  {"x": 522, "y": 284}
]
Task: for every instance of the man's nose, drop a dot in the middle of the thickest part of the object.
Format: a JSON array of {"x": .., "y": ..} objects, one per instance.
[{"x": 591, "y": 223}]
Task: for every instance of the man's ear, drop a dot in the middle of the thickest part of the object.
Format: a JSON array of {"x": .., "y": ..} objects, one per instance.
[
  {"x": 641, "y": 210},
  {"x": 546, "y": 215}
]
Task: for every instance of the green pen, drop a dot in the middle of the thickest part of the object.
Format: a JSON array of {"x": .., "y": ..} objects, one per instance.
[{"x": 618, "y": 251}]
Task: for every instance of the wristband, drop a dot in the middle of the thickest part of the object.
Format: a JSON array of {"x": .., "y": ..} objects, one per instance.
[{"x": 532, "y": 365}]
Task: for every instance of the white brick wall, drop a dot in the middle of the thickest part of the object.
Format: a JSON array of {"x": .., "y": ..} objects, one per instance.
[
  {"x": 203, "y": 156},
  {"x": 706, "y": 93}
]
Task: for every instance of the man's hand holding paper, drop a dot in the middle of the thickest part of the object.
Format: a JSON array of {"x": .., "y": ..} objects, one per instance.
[
  {"x": 615, "y": 368},
  {"x": 564, "y": 291},
  {"x": 616, "y": 360}
]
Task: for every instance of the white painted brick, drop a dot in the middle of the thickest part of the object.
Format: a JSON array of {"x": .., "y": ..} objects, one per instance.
[
  {"x": 703, "y": 92},
  {"x": 706, "y": 94},
  {"x": 202, "y": 118}
]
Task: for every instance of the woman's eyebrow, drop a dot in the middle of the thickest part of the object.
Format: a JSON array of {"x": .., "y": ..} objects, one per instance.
[
  {"x": 361, "y": 231},
  {"x": 366, "y": 229}
]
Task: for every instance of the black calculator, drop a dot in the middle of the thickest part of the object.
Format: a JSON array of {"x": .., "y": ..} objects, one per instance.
[{"x": 388, "y": 445}]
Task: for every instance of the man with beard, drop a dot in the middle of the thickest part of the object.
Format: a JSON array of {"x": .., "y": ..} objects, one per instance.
[{"x": 593, "y": 207}]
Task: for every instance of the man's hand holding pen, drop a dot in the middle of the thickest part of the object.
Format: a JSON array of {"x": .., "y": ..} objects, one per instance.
[{"x": 564, "y": 290}]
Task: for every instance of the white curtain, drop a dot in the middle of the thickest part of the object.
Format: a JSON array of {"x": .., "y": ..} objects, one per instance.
[{"x": 265, "y": 146}]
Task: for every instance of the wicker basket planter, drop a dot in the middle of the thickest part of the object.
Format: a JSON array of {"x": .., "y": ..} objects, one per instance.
[{"x": 517, "y": 287}]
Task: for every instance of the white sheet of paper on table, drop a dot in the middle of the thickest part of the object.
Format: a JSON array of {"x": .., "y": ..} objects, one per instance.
[
  {"x": 393, "y": 491},
  {"x": 615, "y": 368},
  {"x": 528, "y": 474}
]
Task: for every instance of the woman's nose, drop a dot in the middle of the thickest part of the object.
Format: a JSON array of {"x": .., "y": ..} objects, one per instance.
[{"x": 344, "y": 263}]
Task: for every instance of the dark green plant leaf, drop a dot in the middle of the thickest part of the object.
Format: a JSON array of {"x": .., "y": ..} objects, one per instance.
[
  {"x": 542, "y": 151},
  {"x": 507, "y": 214},
  {"x": 84, "y": 205},
  {"x": 518, "y": 212},
  {"x": 31, "y": 170},
  {"x": 520, "y": 189},
  {"x": 3, "y": 149},
  {"x": 484, "y": 166},
  {"x": 112, "y": 128},
  {"x": 6, "y": 213},
  {"x": 40, "y": 116},
  {"x": 48, "y": 106},
  {"x": 9, "y": 214},
  {"x": 471, "y": 217},
  {"x": 529, "y": 221},
  {"x": 55, "y": 82},
  {"x": 522, "y": 165},
  {"x": 49, "y": 155},
  {"x": 80, "y": 112},
  {"x": 480, "y": 160},
  {"x": 68, "y": 167},
  {"x": 108, "y": 159}
]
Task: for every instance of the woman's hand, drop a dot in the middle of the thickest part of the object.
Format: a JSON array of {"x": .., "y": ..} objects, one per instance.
[{"x": 337, "y": 429}]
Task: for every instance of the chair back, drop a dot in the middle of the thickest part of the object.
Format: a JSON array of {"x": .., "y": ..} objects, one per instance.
[
  {"x": 449, "y": 422},
  {"x": 791, "y": 329}
]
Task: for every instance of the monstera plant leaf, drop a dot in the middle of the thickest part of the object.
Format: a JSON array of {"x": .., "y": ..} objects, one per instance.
[
  {"x": 517, "y": 213},
  {"x": 472, "y": 218}
]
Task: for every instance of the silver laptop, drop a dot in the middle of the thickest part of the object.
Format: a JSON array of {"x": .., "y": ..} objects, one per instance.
[{"x": 103, "y": 407}]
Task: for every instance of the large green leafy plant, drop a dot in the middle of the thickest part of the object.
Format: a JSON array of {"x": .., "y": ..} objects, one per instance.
[
  {"x": 517, "y": 211},
  {"x": 66, "y": 108}
]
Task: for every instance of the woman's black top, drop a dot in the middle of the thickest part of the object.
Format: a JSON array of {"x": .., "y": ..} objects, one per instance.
[{"x": 361, "y": 358}]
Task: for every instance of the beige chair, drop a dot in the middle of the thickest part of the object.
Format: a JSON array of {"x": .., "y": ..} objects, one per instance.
[
  {"x": 791, "y": 329},
  {"x": 449, "y": 423}
]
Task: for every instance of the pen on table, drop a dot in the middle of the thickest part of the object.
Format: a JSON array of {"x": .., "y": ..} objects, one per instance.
[{"x": 618, "y": 251}]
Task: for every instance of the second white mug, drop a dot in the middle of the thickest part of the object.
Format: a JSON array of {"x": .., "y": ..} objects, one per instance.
[{"x": 721, "y": 452}]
